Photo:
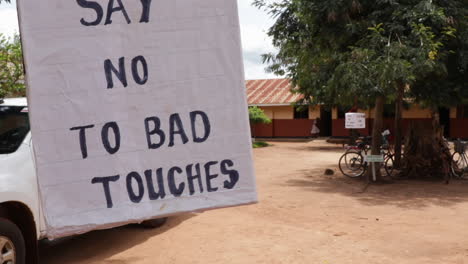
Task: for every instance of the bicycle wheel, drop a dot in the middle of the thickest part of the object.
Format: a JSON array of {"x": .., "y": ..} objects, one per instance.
[
  {"x": 459, "y": 165},
  {"x": 452, "y": 172},
  {"x": 353, "y": 159},
  {"x": 389, "y": 168},
  {"x": 352, "y": 164}
]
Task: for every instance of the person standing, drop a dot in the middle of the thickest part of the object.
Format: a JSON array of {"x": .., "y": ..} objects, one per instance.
[{"x": 315, "y": 130}]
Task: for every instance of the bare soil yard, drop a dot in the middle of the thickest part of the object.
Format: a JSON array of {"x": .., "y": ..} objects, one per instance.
[{"x": 303, "y": 217}]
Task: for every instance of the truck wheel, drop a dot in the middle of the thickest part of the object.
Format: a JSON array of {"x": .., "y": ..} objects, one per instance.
[
  {"x": 12, "y": 246},
  {"x": 153, "y": 223}
]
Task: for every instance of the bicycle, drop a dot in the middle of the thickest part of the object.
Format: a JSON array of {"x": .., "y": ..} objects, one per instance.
[
  {"x": 362, "y": 145},
  {"x": 352, "y": 163},
  {"x": 353, "y": 156},
  {"x": 460, "y": 159}
]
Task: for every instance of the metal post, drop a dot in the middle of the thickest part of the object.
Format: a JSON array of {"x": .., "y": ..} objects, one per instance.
[{"x": 373, "y": 172}]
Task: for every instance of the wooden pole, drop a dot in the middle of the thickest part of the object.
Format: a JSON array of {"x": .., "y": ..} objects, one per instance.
[
  {"x": 377, "y": 130},
  {"x": 398, "y": 128}
]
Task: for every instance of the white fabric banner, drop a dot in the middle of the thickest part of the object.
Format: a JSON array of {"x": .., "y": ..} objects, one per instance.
[
  {"x": 355, "y": 120},
  {"x": 138, "y": 109}
]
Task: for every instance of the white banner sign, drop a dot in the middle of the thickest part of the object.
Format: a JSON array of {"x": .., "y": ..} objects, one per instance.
[
  {"x": 138, "y": 109},
  {"x": 355, "y": 120},
  {"x": 374, "y": 158}
]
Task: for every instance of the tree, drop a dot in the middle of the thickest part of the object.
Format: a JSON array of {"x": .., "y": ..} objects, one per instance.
[
  {"x": 363, "y": 52},
  {"x": 11, "y": 67},
  {"x": 445, "y": 87},
  {"x": 257, "y": 116}
]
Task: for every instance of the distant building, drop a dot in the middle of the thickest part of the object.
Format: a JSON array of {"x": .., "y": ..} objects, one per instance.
[{"x": 274, "y": 96}]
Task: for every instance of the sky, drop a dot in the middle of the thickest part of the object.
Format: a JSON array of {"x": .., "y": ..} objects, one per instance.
[{"x": 254, "y": 24}]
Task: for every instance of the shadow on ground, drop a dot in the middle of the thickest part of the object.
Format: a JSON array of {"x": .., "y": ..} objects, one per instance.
[
  {"x": 330, "y": 148},
  {"x": 410, "y": 194},
  {"x": 99, "y": 246}
]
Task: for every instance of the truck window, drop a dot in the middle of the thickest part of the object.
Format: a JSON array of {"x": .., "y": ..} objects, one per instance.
[{"x": 14, "y": 126}]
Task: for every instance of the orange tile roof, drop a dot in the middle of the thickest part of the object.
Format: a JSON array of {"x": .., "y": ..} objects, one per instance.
[{"x": 270, "y": 92}]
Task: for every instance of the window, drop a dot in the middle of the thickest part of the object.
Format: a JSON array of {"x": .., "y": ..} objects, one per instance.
[
  {"x": 301, "y": 112},
  {"x": 14, "y": 126}
]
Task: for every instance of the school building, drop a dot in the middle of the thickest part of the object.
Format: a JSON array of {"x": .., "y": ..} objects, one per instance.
[{"x": 274, "y": 96}]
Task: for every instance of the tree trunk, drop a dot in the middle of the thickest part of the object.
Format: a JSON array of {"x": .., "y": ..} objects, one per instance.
[
  {"x": 427, "y": 155},
  {"x": 398, "y": 128},
  {"x": 435, "y": 119},
  {"x": 376, "y": 135},
  {"x": 353, "y": 133}
]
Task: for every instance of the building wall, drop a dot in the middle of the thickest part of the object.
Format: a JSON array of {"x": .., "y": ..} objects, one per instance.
[
  {"x": 458, "y": 126},
  {"x": 339, "y": 130},
  {"x": 287, "y": 112},
  {"x": 334, "y": 113},
  {"x": 453, "y": 112},
  {"x": 283, "y": 112},
  {"x": 414, "y": 113},
  {"x": 278, "y": 112},
  {"x": 338, "y": 124},
  {"x": 292, "y": 127},
  {"x": 314, "y": 112},
  {"x": 284, "y": 125},
  {"x": 268, "y": 111},
  {"x": 264, "y": 130},
  {"x": 283, "y": 122},
  {"x": 458, "y": 123}
]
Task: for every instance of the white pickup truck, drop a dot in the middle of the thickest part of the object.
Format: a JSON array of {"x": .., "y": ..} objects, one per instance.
[{"x": 21, "y": 218}]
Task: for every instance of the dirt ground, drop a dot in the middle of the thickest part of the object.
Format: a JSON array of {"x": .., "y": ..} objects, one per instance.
[{"x": 303, "y": 217}]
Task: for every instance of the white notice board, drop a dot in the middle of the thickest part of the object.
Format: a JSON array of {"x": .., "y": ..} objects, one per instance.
[
  {"x": 138, "y": 109},
  {"x": 355, "y": 120}
]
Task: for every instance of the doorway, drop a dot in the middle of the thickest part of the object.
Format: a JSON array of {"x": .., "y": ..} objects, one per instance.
[
  {"x": 325, "y": 123},
  {"x": 444, "y": 115}
]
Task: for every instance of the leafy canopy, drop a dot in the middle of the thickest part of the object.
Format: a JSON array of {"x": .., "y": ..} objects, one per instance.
[
  {"x": 11, "y": 67},
  {"x": 257, "y": 116},
  {"x": 350, "y": 51}
]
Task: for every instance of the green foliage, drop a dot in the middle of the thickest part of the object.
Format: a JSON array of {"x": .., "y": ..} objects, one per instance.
[
  {"x": 11, "y": 67},
  {"x": 348, "y": 52},
  {"x": 448, "y": 85},
  {"x": 260, "y": 144},
  {"x": 257, "y": 116}
]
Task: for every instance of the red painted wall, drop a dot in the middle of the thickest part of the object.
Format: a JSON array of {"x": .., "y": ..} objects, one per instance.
[
  {"x": 284, "y": 128},
  {"x": 339, "y": 129},
  {"x": 262, "y": 130},
  {"x": 292, "y": 127},
  {"x": 459, "y": 128},
  {"x": 302, "y": 127}
]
